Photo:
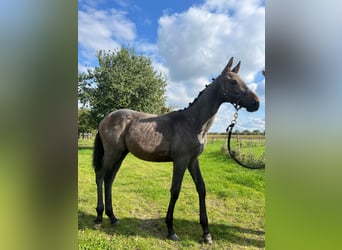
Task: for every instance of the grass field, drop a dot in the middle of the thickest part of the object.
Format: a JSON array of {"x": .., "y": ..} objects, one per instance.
[{"x": 235, "y": 204}]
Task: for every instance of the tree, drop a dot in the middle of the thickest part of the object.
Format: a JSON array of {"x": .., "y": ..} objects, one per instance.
[
  {"x": 246, "y": 132},
  {"x": 122, "y": 80},
  {"x": 83, "y": 121},
  {"x": 256, "y": 132}
]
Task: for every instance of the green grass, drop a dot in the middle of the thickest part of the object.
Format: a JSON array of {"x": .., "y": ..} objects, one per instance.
[
  {"x": 250, "y": 152},
  {"x": 235, "y": 205}
]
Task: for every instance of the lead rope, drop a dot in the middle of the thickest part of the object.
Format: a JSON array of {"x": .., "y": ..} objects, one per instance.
[{"x": 229, "y": 130}]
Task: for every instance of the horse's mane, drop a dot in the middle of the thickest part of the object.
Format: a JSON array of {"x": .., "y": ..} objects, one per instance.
[{"x": 199, "y": 94}]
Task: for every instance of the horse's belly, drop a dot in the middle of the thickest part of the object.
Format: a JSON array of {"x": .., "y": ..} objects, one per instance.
[
  {"x": 155, "y": 157},
  {"x": 144, "y": 142}
]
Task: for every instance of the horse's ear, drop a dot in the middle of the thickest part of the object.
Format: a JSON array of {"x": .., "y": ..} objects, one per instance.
[
  {"x": 237, "y": 67},
  {"x": 229, "y": 65}
]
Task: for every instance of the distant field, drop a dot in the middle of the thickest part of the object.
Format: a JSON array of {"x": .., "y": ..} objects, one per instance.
[
  {"x": 235, "y": 203},
  {"x": 213, "y": 137}
]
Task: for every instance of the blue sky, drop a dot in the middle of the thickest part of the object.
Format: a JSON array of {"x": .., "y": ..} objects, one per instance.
[{"x": 189, "y": 42}]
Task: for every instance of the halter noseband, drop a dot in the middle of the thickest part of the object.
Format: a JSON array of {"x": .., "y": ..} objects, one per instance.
[{"x": 237, "y": 101}]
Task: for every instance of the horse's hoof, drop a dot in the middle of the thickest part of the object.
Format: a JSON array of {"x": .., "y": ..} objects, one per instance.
[
  {"x": 115, "y": 222},
  {"x": 173, "y": 237},
  {"x": 97, "y": 225},
  {"x": 207, "y": 239}
]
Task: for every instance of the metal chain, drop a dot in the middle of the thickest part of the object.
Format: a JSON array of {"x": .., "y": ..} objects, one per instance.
[{"x": 235, "y": 118}]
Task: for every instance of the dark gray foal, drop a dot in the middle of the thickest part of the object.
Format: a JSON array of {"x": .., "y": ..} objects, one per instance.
[{"x": 178, "y": 136}]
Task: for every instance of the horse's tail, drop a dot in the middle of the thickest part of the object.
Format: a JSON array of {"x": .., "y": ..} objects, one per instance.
[{"x": 98, "y": 152}]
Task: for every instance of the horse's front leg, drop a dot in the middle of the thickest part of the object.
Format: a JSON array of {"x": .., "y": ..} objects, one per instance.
[
  {"x": 177, "y": 178},
  {"x": 200, "y": 187}
]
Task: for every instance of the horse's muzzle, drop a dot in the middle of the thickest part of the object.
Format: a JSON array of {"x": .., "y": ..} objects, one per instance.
[{"x": 253, "y": 107}]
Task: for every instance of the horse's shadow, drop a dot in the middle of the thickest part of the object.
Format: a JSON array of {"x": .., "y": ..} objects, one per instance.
[{"x": 191, "y": 230}]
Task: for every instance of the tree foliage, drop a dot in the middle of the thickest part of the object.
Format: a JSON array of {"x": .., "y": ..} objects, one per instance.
[
  {"x": 247, "y": 132},
  {"x": 123, "y": 79},
  {"x": 83, "y": 121}
]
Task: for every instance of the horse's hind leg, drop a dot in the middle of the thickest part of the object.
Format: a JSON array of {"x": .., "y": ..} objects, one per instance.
[
  {"x": 108, "y": 183},
  {"x": 99, "y": 208}
]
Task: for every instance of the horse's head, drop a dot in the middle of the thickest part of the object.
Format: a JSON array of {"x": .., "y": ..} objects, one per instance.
[{"x": 235, "y": 90}]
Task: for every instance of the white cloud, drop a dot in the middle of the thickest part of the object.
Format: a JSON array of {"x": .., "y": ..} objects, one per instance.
[
  {"x": 233, "y": 7},
  {"x": 189, "y": 42},
  {"x": 251, "y": 123},
  {"x": 259, "y": 122},
  {"x": 103, "y": 30}
]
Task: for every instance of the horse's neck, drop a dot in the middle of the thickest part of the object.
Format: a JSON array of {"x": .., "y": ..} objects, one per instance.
[{"x": 202, "y": 112}]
